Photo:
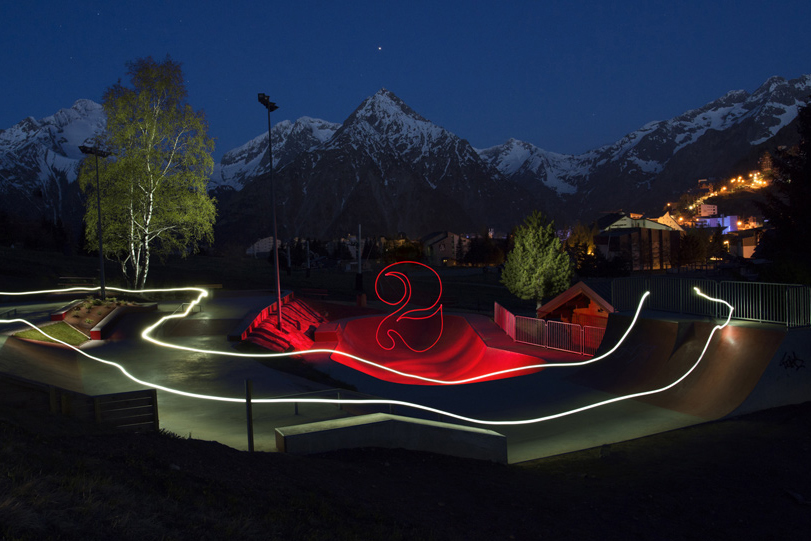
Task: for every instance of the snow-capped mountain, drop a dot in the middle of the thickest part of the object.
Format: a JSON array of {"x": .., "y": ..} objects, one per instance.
[
  {"x": 392, "y": 170},
  {"x": 389, "y": 169},
  {"x": 39, "y": 161},
  {"x": 290, "y": 139},
  {"x": 661, "y": 158}
]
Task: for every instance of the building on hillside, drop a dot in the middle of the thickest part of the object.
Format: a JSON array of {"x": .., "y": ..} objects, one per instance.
[
  {"x": 579, "y": 304},
  {"x": 707, "y": 184},
  {"x": 727, "y": 224},
  {"x": 708, "y": 210},
  {"x": 647, "y": 244}
]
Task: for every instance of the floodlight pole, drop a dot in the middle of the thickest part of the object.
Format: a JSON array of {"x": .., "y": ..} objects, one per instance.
[
  {"x": 103, "y": 153},
  {"x": 264, "y": 99}
]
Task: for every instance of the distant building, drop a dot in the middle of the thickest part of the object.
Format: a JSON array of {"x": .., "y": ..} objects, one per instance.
[
  {"x": 708, "y": 210},
  {"x": 261, "y": 248},
  {"x": 444, "y": 248},
  {"x": 706, "y": 184},
  {"x": 649, "y": 245},
  {"x": 743, "y": 243},
  {"x": 669, "y": 221},
  {"x": 727, "y": 224}
]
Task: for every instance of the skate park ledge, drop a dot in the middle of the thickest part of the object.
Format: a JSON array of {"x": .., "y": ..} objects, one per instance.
[{"x": 388, "y": 431}]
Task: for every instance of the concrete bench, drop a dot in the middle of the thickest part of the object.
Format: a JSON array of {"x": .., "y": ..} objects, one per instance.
[{"x": 392, "y": 432}]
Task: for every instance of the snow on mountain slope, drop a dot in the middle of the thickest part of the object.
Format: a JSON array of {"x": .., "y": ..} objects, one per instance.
[
  {"x": 389, "y": 130},
  {"x": 248, "y": 161},
  {"x": 33, "y": 149},
  {"x": 638, "y": 157},
  {"x": 525, "y": 163}
]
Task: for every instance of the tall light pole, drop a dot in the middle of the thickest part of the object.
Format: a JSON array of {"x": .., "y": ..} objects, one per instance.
[
  {"x": 264, "y": 99},
  {"x": 103, "y": 153}
]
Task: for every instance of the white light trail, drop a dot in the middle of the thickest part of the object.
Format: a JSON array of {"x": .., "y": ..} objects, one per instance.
[{"x": 204, "y": 293}]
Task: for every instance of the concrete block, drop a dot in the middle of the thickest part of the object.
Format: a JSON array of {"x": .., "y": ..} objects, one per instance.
[{"x": 388, "y": 431}]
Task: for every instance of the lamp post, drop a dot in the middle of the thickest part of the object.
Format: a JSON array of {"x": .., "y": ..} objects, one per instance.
[
  {"x": 264, "y": 99},
  {"x": 103, "y": 153}
]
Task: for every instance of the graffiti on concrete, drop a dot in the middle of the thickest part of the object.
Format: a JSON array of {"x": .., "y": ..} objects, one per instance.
[{"x": 790, "y": 360}]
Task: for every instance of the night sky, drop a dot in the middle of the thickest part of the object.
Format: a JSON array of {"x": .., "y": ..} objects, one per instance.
[{"x": 564, "y": 76}]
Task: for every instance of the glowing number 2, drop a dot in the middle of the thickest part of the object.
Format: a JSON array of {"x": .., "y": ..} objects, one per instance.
[{"x": 388, "y": 327}]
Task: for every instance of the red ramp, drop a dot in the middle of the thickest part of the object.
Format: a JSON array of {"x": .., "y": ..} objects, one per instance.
[{"x": 459, "y": 354}]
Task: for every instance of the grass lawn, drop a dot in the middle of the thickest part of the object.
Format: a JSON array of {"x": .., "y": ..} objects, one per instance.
[{"x": 61, "y": 330}]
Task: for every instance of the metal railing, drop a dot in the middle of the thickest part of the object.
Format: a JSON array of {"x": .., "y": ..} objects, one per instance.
[
  {"x": 571, "y": 337},
  {"x": 786, "y": 304},
  {"x": 504, "y": 319}
]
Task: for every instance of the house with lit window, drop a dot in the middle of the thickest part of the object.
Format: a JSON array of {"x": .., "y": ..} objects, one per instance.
[{"x": 444, "y": 248}]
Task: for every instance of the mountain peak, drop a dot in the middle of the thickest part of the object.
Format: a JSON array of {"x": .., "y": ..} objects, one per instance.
[{"x": 384, "y": 107}]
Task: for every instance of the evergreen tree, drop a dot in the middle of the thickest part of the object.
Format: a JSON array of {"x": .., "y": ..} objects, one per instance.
[
  {"x": 153, "y": 186},
  {"x": 693, "y": 247},
  {"x": 785, "y": 208},
  {"x": 483, "y": 250},
  {"x": 536, "y": 267}
]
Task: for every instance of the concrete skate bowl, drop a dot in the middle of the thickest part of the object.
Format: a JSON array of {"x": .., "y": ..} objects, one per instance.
[
  {"x": 459, "y": 354},
  {"x": 658, "y": 352}
]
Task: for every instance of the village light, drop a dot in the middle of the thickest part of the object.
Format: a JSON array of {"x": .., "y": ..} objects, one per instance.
[
  {"x": 103, "y": 153},
  {"x": 264, "y": 99}
]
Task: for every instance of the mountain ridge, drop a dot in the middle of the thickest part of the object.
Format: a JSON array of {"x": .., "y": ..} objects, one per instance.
[{"x": 388, "y": 166}]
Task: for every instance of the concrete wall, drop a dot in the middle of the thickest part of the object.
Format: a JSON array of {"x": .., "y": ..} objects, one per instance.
[{"x": 392, "y": 432}]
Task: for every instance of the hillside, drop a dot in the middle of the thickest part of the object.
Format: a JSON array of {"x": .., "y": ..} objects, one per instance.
[{"x": 736, "y": 479}]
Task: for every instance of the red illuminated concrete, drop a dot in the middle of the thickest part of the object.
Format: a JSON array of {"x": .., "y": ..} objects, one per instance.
[{"x": 460, "y": 353}]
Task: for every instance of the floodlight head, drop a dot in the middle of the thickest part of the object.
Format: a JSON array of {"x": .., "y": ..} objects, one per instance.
[
  {"x": 264, "y": 99},
  {"x": 95, "y": 151}
]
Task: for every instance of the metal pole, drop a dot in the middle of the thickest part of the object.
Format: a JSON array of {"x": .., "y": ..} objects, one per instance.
[
  {"x": 101, "y": 251},
  {"x": 275, "y": 233},
  {"x": 249, "y": 412},
  {"x": 359, "y": 275}
]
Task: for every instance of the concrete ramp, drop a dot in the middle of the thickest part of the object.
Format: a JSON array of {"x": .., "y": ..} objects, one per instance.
[
  {"x": 658, "y": 352},
  {"x": 460, "y": 353},
  {"x": 392, "y": 432},
  {"x": 786, "y": 379}
]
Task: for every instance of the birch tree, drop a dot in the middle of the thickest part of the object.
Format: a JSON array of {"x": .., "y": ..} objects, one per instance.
[{"x": 153, "y": 185}]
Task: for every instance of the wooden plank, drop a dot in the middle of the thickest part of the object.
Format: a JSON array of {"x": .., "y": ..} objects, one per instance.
[
  {"x": 135, "y": 410},
  {"x": 125, "y": 403},
  {"x": 126, "y": 414},
  {"x": 125, "y": 395}
]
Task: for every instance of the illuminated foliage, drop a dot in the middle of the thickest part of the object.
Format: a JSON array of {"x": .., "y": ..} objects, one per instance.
[
  {"x": 153, "y": 186},
  {"x": 536, "y": 267}
]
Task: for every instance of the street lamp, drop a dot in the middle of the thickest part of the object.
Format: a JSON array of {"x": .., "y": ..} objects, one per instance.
[
  {"x": 264, "y": 99},
  {"x": 103, "y": 153}
]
